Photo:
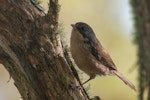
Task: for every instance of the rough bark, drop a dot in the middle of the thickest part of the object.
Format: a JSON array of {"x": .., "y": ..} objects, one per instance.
[
  {"x": 32, "y": 52},
  {"x": 141, "y": 11}
]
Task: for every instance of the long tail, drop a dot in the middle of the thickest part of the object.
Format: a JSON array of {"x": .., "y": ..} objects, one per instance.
[{"x": 126, "y": 81}]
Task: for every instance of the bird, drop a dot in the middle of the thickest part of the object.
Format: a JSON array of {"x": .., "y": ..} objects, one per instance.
[{"x": 90, "y": 56}]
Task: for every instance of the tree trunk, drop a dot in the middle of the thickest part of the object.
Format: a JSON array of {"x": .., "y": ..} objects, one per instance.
[
  {"x": 141, "y": 11},
  {"x": 32, "y": 52}
]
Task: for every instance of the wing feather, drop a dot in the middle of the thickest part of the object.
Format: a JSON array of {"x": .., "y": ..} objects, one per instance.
[{"x": 99, "y": 52}]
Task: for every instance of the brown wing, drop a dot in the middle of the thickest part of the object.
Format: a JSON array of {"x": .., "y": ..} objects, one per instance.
[
  {"x": 105, "y": 57},
  {"x": 99, "y": 52}
]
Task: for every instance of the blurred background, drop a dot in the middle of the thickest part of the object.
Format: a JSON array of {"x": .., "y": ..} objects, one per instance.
[{"x": 112, "y": 22}]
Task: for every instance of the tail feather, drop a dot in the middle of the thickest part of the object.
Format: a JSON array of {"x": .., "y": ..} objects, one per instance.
[{"x": 126, "y": 81}]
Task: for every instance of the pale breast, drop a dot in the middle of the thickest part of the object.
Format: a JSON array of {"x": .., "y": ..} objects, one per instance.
[{"x": 82, "y": 57}]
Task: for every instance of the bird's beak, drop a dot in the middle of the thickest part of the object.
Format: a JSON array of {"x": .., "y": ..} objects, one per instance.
[{"x": 73, "y": 25}]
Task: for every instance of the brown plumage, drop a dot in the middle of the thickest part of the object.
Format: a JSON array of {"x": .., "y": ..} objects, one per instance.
[{"x": 89, "y": 54}]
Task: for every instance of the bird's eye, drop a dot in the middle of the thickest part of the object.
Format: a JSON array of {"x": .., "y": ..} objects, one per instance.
[{"x": 82, "y": 28}]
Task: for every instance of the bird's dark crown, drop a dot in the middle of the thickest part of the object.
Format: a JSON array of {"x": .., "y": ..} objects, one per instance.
[{"x": 85, "y": 30}]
